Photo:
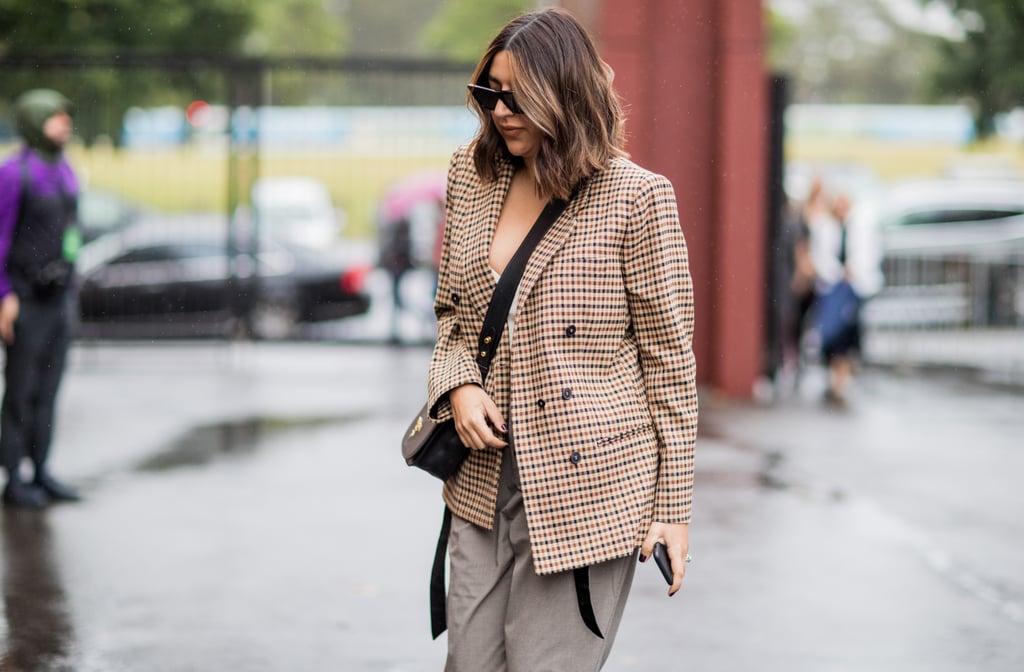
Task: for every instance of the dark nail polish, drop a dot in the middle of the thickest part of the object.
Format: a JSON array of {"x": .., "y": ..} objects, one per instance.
[
  {"x": 643, "y": 558},
  {"x": 504, "y": 428}
]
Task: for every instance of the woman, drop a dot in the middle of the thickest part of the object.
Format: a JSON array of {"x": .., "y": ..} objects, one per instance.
[
  {"x": 582, "y": 436},
  {"x": 838, "y": 302}
]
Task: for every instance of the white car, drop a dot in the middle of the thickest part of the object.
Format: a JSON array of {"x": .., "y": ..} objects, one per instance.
[
  {"x": 297, "y": 211},
  {"x": 953, "y": 253},
  {"x": 980, "y": 218}
]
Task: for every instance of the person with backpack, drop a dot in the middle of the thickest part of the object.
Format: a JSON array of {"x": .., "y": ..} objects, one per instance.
[{"x": 39, "y": 241}]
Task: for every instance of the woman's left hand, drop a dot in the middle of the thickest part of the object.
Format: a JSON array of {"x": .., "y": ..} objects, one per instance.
[{"x": 676, "y": 538}]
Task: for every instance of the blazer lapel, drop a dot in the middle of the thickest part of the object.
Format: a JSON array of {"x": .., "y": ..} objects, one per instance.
[
  {"x": 553, "y": 241},
  {"x": 480, "y": 276}
]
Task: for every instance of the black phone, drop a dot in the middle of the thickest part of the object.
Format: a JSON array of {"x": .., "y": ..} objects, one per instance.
[{"x": 664, "y": 564}]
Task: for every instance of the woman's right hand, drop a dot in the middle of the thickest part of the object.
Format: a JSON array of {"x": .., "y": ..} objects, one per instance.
[{"x": 477, "y": 418}]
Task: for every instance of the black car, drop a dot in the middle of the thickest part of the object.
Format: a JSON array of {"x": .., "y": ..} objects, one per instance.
[{"x": 175, "y": 278}]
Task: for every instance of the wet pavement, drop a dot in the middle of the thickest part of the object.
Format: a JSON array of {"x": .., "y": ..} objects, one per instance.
[{"x": 246, "y": 509}]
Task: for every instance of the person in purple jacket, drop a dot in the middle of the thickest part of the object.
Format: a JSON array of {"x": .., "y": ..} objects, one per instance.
[{"x": 39, "y": 240}]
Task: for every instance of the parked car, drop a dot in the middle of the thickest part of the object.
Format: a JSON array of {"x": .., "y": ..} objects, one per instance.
[
  {"x": 172, "y": 277},
  {"x": 953, "y": 216},
  {"x": 953, "y": 253},
  {"x": 101, "y": 211},
  {"x": 298, "y": 211}
]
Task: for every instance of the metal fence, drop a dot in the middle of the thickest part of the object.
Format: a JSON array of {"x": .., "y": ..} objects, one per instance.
[
  {"x": 959, "y": 308},
  {"x": 956, "y": 291},
  {"x": 180, "y": 141}
]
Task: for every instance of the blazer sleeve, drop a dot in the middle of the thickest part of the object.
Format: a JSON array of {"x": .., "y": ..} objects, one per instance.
[
  {"x": 452, "y": 363},
  {"x": 660, "y": 295}
]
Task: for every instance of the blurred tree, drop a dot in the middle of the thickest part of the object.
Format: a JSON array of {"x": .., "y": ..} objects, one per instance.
[
  {"x": 836, "y": 51},
  {"x": 987, "y": 65},
  {"x": 296, "y": 27},
  {"x": 157, "y": 25},
  {"x": 210, "y": 27},
  {"x": 387, "y": 28},
  {"x": 782, "y": 36},
  {"x": 462, "y": 29}
]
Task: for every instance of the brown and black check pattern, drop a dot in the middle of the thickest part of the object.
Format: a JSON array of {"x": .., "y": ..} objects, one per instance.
[{"x": 599, "y": 383}]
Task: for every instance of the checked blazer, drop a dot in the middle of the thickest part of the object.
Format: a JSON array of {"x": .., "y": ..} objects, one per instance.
[{"x": 598, "y": 382}]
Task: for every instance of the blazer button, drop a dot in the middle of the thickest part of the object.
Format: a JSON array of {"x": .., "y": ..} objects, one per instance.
[
  {"x": 541, "y": 404},
  {"x": 567, "y": 393},
  {"x": 575, "y": 457},
  {"x": 570, "y": 330},
  {"x": 456, "y": 299}
]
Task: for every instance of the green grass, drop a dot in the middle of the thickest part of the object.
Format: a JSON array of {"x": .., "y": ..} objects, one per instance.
[
  {"x": 191, "y": 180},
  {"x": 897, "y": 159},
  {"x": 195, "y": 179}
]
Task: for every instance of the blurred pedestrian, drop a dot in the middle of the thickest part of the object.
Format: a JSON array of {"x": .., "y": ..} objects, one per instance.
[
  {"x": 410, "y": 225},
  {"x": 838, "y": 303},
  {"x": 39, "y": 241},
  {"x": 396, "y": 259},
  {"x": 801, "y": 280},
  {"x": 582, "y": 436}
]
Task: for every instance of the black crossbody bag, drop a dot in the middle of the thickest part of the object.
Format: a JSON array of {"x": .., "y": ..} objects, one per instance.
[{"x": 435, "y": 447}]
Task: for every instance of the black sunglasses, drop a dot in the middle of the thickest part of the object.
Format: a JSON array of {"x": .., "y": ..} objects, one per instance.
[{"x": 488, "y": 98}]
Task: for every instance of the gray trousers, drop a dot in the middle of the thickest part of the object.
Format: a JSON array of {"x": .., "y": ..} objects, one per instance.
[{"x": 502, "y": 617}]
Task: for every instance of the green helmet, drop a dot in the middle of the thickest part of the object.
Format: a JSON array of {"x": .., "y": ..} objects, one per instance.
[{"x": 32, "y": 109}]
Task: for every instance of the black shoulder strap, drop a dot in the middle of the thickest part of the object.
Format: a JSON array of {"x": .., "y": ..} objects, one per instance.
[{"x": 505, "y": 291}]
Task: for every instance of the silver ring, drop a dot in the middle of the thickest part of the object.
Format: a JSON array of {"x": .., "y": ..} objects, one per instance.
[{"x": 689, "y": 559}]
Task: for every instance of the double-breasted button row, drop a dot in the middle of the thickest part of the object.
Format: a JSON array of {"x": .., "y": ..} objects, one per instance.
[
  {"x": 570, "y": 330},
  {"x": 456, "y": 299},
  {"x": 575, "y": 457},
  {"x": 566, "y": 394}
]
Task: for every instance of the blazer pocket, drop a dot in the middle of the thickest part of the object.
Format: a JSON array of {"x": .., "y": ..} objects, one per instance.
[
  {"x": 624, "y": 469},
  {"x": 624, "y": 435}
]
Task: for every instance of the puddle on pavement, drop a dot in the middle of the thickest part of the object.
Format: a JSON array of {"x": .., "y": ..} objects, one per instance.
[
  {"x": 207, "y": 443},
  {"x": 767, "y": 474},
  {"x": 769, "y": 477},
  {"x": 39, "y": 629},
  {"x": 36, "y": 628},
  {"x": 764, "y": 477}
]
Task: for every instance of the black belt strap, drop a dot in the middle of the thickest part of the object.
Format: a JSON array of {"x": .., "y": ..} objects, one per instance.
[
  {"x": 581, "y": 575},
  {"x": 438, "y": 614}
]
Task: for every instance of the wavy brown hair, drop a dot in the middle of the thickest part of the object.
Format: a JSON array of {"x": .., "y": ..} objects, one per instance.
[{"x": 562, "y": 85}]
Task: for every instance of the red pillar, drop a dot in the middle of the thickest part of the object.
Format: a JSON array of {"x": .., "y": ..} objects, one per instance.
[
  {"x": 741, "y": 224},
  {"x": 692, "y": 78}
]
